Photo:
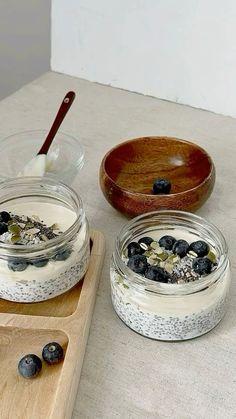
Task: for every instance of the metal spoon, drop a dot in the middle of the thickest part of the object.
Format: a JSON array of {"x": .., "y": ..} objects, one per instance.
[{"x": 37, "y": 165}]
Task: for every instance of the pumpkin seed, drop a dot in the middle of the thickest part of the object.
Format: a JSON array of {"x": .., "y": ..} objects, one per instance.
[
  {"x": 211, "y": 255},
  {"x": 173, "y": 258},
  {"x": 14, "y": 229},
  {"x": 15, "y": 238},
  {"x": 163, "y": 256},
  {"x": 169, "y": 267},
  {"x": 29, "y": 225},
  {"x": 152, "y": 262},
  {"x": 158, "y": 250},
  {"x": 55, "y": 226}
]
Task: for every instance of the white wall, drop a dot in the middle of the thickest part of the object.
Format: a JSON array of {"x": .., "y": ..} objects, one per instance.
[
  {"x": 183, "y": 51},
  {"x": 24, "y": 42}
]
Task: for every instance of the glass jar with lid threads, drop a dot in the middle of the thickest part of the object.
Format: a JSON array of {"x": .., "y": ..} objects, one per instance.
[
  {"x": 44, "y": 245},
  {"x": 165, "y": 310}
]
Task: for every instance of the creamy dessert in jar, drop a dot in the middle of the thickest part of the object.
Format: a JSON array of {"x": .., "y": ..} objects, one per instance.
[
  {"x": 44, "y": 240},
  {"x": 170, "y": 275}
]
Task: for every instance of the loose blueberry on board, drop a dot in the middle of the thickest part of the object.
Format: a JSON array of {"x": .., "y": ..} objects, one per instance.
[
  {"x": 52, "y": 353},
  {"x": 138, "y": 264},
  {"x": 3, "y": 228},
  {"x": 19, "y": 265},
  {"x": 155, "y": 273},
  {"x": 4, "y": 216},
  {"x": 40, "y": 263},
  {"x": 202, "y": 266},
  {"x": 134, "y": 249},
  {"x": 167, "y": 242},
  {"x": 161, "y": 186},
  {"x": 145, "y": 240},
  {"x": 200, "y": 247},
  {"x": 180, "y": 248},
  {"x": 62, "y": 254},
  {"x": 30, "y": 366}
]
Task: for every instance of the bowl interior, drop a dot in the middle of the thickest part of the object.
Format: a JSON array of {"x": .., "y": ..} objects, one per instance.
[
  {"x": 66, "y": 153},
  {"x": 135, "y": 164}
]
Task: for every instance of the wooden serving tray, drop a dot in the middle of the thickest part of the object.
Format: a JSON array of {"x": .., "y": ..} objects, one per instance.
[{"x": 26, "y": 328}]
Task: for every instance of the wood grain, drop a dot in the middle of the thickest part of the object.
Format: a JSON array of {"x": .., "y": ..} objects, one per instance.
[
  {"x": 61, "y": 306},
  {"x": 26, "y": 328},
  {"x": 128, "y": 171}
]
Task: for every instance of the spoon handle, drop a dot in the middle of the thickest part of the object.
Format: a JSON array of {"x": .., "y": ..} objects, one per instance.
[{"x": 65, "y": 106}]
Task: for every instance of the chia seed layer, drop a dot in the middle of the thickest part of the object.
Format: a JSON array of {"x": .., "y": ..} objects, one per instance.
[
  {"x": 164, "y": 326},
  {"x": 27, "y": 291}
]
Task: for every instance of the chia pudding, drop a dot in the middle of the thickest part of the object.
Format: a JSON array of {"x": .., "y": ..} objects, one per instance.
[
  {"x": 44, "y": 248},
  {"x": 167, "y": 297}
]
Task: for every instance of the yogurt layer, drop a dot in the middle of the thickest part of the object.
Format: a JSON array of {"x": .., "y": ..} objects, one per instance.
[
  {"x": 37, "y": 284},
  {"x": 35, "y": 167},
  {"x": 170, "y": 317}
]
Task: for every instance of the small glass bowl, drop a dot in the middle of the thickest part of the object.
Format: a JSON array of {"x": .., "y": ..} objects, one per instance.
[
  {"x": 51, "y": 267},
  {"x": 166, "y": 311},
  {"x": 66, "y": 154}
]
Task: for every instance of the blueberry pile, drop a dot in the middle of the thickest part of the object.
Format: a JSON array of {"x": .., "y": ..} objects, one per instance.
[
  {"x": 169, "y": 260},
  {"x": 30, "y": 365}
]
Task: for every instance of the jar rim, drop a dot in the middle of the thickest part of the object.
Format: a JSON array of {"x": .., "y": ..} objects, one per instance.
[
  {"x": 67, "y": 234},
  {"x": 168, "y": 288}
]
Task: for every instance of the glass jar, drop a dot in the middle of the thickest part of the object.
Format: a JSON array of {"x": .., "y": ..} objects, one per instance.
[
  {"x": 37, "y": 272},
  {"x": 168, "y": 311}
]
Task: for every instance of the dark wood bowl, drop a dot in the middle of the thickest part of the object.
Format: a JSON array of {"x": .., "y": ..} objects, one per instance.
[{"x": 128, "y": 171}]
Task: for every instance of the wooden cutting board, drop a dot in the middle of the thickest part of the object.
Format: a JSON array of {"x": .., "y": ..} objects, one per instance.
[{"x": 26, "y": 328}]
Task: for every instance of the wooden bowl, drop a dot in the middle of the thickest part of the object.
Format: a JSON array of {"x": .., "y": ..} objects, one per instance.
[{"x": 128, "y": 170}]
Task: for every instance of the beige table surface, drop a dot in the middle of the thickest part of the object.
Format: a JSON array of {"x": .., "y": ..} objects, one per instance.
[{"x": 126, "y": 375}]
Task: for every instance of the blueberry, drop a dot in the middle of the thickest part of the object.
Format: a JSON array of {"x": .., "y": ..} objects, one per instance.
[
  {"x": 202, "y": 266},
  {"x": 145, "y": 240},
  {"x": 180, "y": 248},
  {"x": 134, "y": 249},
  {"x": 52, "y": 353},
  {"x": 167, "y": 242},
  {"x": 200, "y": 247},
  {"x": 155, "y": 273},
  {"x": 19, "y": 265},
  {"x": 138, "y": 264},
  {"x": 29, "y": 366},
  {"x": 62, "y": 254},
  {"x": 40, "y": 263},
  {"x": 161, "y": 186},
  {"x": 3, "y": 228},
  {"x": 5, "y": 216}
]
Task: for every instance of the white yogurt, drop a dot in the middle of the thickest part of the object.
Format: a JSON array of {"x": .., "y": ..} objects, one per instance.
[
  {"x": 35, "y": 167},
  {"x": 170, "y": 317},
  {"x": 37, "y": 284}
]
